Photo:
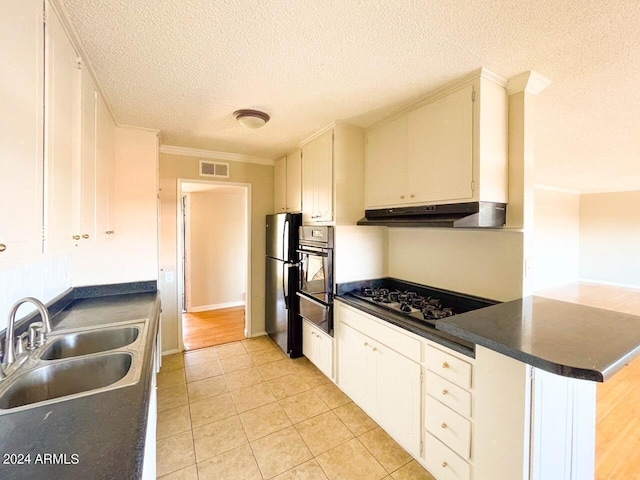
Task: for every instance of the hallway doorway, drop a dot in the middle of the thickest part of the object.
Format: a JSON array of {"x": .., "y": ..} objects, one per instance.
[{"x": 213, "y": 252}]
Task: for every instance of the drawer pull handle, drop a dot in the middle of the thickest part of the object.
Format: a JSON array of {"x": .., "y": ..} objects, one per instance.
[
  {"x": 445, "y": 392},
  {"x": 3, "y": 247},
  {"x": 401, "y": 197},
  {"x": 444, "y": 425},
  {"x": 76, "y": 237},
  {"x": 444, "y": 464},
  {"x": 85, "y": 236},
  {"x": 412, "y": 195},
  {"x": 445, "y": 365}
]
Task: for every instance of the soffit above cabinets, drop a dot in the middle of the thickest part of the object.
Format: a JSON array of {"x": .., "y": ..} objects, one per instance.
[{"x": 184, "y": 67}]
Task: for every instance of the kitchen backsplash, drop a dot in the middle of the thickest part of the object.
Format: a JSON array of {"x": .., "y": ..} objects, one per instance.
[{"x": 44, "y": 279}]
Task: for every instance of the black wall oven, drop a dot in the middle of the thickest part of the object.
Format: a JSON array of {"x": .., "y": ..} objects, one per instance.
[{"x": 315, "y": 286}]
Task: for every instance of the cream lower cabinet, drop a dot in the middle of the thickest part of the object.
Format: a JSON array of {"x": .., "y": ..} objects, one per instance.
[
  {"x": 317, "y": 346},
  {"x": 383, "y": 382}
]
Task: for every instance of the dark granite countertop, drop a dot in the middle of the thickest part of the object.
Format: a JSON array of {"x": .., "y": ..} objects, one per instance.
[
  {"x": 407, "y": 323},
  {"x": 563, "y": 338},
  {"x": 107, "y": 430}
]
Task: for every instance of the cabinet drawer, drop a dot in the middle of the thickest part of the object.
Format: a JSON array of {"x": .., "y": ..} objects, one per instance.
[
  {"x": 449, "y": 367},
  {"x": 453, "y": 429},
  {"x": 377, "y": 330},
  {"x": 443, "y": 463},
  {"x": 451, "y": 395}
]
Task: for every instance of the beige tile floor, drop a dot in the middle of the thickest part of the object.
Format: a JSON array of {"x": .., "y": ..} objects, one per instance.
[{"x": 245, "y": 411}]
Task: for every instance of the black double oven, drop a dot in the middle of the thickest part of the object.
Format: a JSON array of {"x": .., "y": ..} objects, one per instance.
[{"x": 315, "y": 285}]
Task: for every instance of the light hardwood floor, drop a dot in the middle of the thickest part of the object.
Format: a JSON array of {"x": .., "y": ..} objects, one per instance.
[
  {"x": 213, "y": 327},
  {"x": 618, "y": 404}
]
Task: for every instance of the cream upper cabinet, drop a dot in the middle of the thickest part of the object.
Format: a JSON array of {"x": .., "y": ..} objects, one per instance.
[
  {"x": 317, "y": 179},
  {"x": 440, "y": 153},
  {"x": 287, "y": 184},
  {"x": 85, "y": 171},
  {"x": 105, "y": 170},
  {"x": 333, "y": 176},
  {"x": 280, "y": 186},
  {"x": 451, "y": 148},
  {"x": 21, "y": 127},
  {"x": 386, "y": 168},
  {"x": 61, "y": 133},
  {"x": 294, "y": 181}
]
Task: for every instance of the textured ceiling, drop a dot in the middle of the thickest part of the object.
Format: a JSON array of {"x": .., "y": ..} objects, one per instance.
[{"x": 183, "y": 67}]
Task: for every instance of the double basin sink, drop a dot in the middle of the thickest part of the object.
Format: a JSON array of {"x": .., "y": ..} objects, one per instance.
[{"x": 76, "y": 363}]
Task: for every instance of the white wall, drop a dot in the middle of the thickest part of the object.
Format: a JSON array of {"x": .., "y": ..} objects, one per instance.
[
  {"x": 218, "y": 248},
  {"x": 482, "y": 263},
  {"x": 610, "y": 238},
  {"x": 556, "y": 241},
  {"x": 360, "y": 253}
]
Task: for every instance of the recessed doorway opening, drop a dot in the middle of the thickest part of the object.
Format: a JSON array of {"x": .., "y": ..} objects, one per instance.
[{"x": 213, "y": 259}]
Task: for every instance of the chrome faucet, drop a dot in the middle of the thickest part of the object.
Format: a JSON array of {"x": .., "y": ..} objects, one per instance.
[{"x": 9, "y": 341}]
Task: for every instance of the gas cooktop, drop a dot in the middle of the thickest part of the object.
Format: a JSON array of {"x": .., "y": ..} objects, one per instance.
[{"x": 424, "y": 304}]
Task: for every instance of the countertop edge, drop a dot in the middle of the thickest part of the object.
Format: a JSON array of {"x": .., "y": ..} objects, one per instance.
[{"x": 547, "y": 365}]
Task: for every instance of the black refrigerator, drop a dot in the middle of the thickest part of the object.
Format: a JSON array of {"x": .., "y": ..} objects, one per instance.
[{"x": 282, "y": 322}]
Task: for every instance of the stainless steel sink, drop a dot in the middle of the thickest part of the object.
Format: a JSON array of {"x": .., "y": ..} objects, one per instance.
[
  {"x": 66, "y": 378},
  {"x": 85, "y": 343},
  {"x": 76, "y": 363}
]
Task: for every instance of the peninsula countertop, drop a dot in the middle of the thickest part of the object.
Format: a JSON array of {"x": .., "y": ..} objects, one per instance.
[{"x": 564, "y": 338}]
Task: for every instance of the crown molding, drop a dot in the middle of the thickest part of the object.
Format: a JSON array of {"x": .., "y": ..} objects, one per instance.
[
  {"x": 135, "y": 127},
  {"x": 336, "y": 123},
  {"x": 530, "y": 82},
  {"x": 231, "y": 157},
  {"x": 551, "y": 188}
]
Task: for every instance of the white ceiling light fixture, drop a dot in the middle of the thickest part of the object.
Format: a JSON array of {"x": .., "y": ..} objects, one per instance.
[{"x": 251, "y": 118}]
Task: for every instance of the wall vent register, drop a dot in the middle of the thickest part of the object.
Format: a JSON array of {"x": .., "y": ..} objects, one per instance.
[{"x": 214, "y": 169}]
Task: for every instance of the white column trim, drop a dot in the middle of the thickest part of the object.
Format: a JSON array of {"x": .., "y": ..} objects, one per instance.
[{"x": 530, "y": 82}]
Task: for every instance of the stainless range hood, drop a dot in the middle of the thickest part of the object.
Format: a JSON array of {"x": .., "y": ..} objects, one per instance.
[{"x": 452, "y": 215}]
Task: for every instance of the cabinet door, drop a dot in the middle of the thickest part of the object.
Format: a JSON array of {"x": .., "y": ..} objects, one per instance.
[
  {"x": 323, "y": 353},
  {"x": 308, "y": 342},
  {"x": 352, "y": 365},
  {"x": 105, "y": 169},
  {"x": 294, "y": 181},
  {"x": 440, "y": 155},
  {"x": 85, "y": 174},
  {"x": 398, "y": 397},
  {"x": 323, "y": 177},
  {"x": 21, "y": 125},
  {"x": 61, "y": 126},
  {"x": 280, "y": 186},
  {"x": 309, "y": 154},
  {"x": 386, "y": 165}
]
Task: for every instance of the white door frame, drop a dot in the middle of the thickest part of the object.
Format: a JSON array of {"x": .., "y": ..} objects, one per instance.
[{"x": 180, "y": 267}]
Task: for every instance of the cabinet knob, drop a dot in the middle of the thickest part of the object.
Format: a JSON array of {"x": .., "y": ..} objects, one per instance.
[
  {"x": 375, "y": 349},
  {"x": 109, "y": 232},
  {"x": 412, "y": 195},
  {"x": 3, "y": 247},
  {"x": 401, "y": 197},
  {"x": 76, "y": 237},
  {"x": 445, "y": 365},
  {"x": 444, "y": 464},
  {"x": 85, "y": 236},
  {"x": 444, "y": 425},
  {"x": 445, "y": 391},
  {"x": 366, "y": 344}
]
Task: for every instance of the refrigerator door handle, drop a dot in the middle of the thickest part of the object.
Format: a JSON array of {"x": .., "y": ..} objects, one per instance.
[
  {"x": 285, "y": 241},
  {"x": 285, "y": 280}
]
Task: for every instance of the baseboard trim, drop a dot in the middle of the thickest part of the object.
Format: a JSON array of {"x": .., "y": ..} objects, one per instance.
[
  {"x": 258, "y": 334},
  {"x": 170, "y": 352},
  {"x": 614, "y": 284},
  {"x": 217, "y": 306}
]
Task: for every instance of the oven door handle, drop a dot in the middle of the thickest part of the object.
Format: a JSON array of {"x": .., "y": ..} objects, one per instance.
[
  {"x": 321, "y": 253},
  {"x": 313, "y": 300}
]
